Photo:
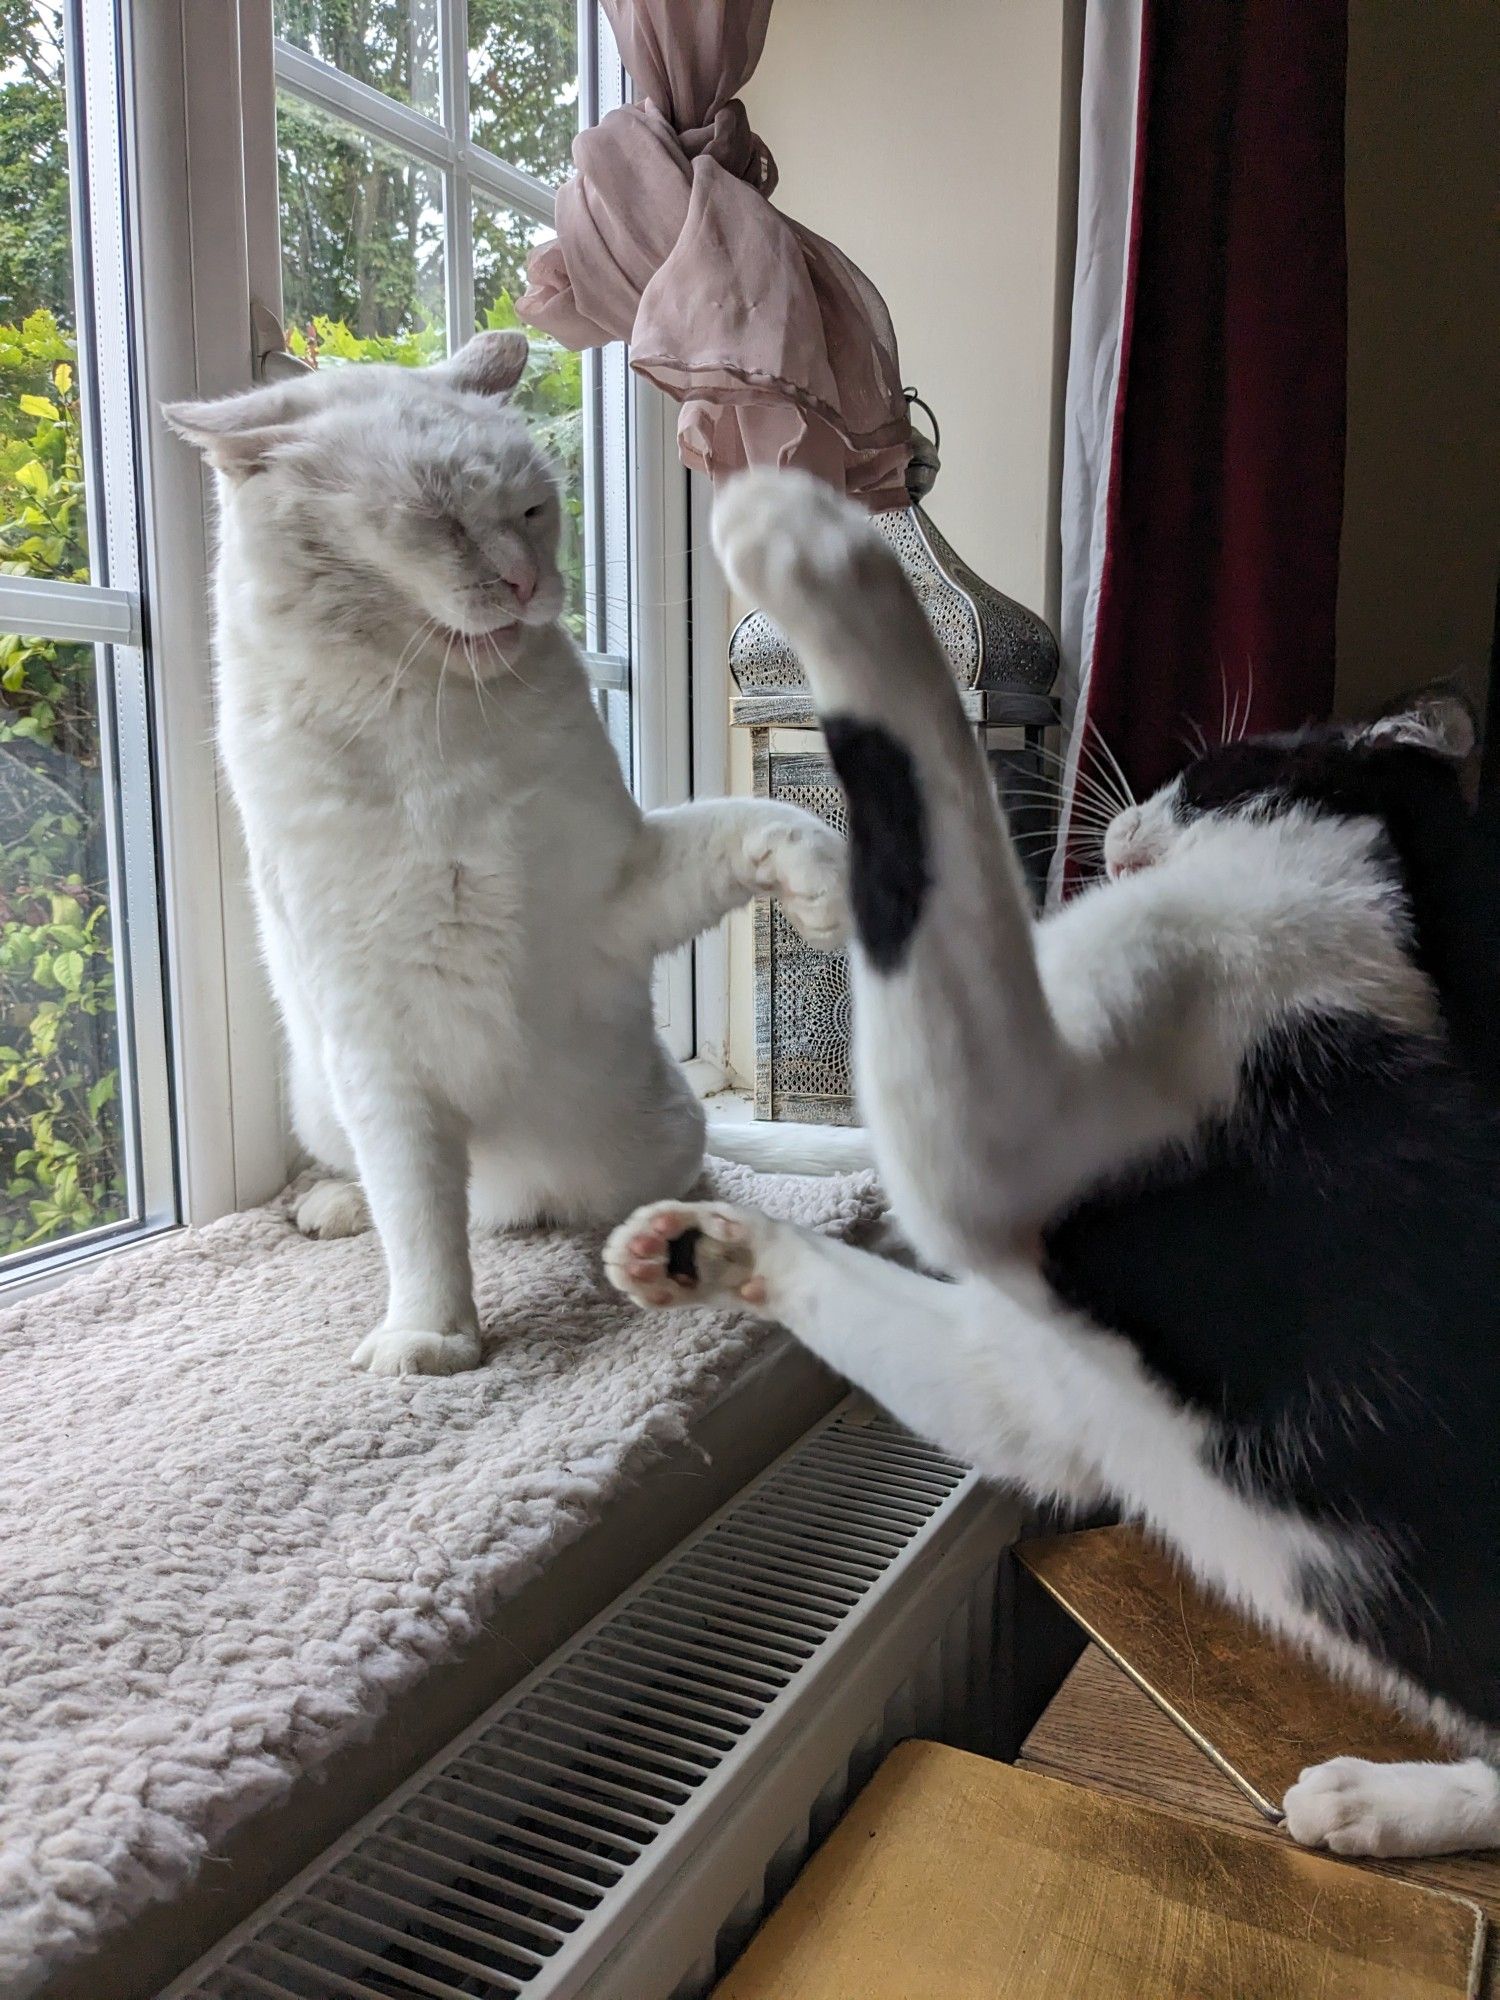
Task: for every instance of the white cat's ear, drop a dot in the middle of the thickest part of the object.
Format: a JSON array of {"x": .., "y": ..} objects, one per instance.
[
  {"x": 491, "y": 364},
  {"x": 1438, "y": 720},
  {"x": 236, "y": 433}
]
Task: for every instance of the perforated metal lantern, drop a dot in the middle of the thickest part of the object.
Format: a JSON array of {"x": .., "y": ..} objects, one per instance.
[{"x": 1005, "y": 661}]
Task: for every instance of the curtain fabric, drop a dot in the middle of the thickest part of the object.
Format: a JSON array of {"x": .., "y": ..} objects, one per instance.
[
  {"x": 778, "y": 348},
  {"x": 1204, "y": 431}
]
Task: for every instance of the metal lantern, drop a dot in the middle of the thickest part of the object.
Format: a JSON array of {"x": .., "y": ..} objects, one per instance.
[{"x": 1005, "y": 661}]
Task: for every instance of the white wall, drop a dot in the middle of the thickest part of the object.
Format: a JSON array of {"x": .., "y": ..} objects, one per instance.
[{"x": 936, "y": 144}]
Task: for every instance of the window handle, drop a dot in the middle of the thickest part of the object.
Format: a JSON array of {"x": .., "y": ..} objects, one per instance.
[{"x": 274, "y": 360}]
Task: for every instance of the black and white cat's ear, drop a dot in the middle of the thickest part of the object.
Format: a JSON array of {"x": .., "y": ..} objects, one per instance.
[
  {"x": 1438, "y": 719},
  {"x": 238, "y": 434},
  {"x": 491, "y": 364}
]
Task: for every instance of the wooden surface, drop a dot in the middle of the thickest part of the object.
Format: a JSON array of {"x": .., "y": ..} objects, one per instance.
[
  {"x": 954, "y": 1878},
  {"x": 1101, "y": 1730},
  {"x": 1252, "y": 1704}
]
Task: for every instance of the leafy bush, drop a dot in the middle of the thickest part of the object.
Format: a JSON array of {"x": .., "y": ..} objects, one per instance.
[{"x": 60, "y": 1140}]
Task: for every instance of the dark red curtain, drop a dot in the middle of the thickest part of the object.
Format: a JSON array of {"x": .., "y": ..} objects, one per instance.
[{"x": 1219, "y": 578}]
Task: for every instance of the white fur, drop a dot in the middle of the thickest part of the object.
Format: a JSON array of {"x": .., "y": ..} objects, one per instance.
[
  {"x": 460, "y": 902},
  {"x": 1003, "y": 1069}
]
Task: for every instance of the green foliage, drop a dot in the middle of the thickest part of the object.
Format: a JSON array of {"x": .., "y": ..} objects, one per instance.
[
  {"x": 36, "y": 269},
  {"x": 361, "y": 225},
  {"x": 60, "y": 1140}
]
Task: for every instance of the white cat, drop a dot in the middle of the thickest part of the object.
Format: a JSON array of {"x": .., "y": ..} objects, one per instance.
[
  {"x": 1212, "y": 1153},
  {"x": 459, "y": 900}
]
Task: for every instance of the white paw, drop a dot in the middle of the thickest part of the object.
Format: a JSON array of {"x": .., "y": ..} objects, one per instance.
[
  {"x": 333, "y": 1208},
  {"x": 686, "y": 1253},
  {"x": 411, "y": 1351},
  {"x": 792, "y": 546},
  {"x": 1354, "y": 1806},
  {"x": 805, "y": 865}
]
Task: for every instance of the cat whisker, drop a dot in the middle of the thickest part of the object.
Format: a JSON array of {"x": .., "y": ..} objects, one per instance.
[
  {"x": 1126, "y": 792},
  {"x": 437, "y": 700},
  {"x": 506, "y": 661}
]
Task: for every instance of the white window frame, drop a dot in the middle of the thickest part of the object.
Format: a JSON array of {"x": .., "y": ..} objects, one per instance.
[
  {"x": 108, "y": 613},
  {"x": 195, "y": 88},
  {"x": 637, "y": 640}
]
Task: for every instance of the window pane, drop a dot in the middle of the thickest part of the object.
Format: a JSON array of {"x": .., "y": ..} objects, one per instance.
[
  {"x": 361, "y": 243},
  {"x": 523, "y": 82},
  {"x": 43, "y": 529},
  {"x": 551, "y": 392},
  {"x": 62, "y": 1154},
  {"x": 390, "y": 44}
]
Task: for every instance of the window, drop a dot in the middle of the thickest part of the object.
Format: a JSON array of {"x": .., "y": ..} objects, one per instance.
[
  {"x": 86, "y": 1149},
  {"x": 418, "y": 146},
  {"x": 181, "y": 182}
]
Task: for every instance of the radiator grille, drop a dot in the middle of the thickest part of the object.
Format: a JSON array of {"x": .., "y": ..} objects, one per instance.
[{"x": 520, "y": 1859}]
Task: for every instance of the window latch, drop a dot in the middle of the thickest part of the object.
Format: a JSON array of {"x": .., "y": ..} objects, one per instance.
[{"x": 274, "y": 360}]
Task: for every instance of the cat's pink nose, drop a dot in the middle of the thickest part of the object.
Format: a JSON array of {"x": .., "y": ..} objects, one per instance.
[{"x": 521, "y": 576}]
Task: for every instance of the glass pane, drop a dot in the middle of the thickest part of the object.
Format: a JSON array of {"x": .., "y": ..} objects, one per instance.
[
  {"x": 43, "y": 529},
  {"x": 62, "y": 1150},
  {"x": 523, "y": 82},
  {"x": 392, "y": 45},
  {"x": 361, "y": 243},
  {"x": 551, "y": 392}
]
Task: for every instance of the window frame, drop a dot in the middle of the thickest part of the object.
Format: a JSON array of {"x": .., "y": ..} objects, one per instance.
[
  {"x": 109, "y": 614},
  {"x": 193, "y": 90}
]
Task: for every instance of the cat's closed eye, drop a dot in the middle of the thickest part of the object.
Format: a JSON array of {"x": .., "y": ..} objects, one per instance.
[{"x": 535, "y": 513}]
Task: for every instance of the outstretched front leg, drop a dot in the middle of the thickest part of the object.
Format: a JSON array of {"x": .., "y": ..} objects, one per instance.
[
  {"x": 1354, "y": 1806},
  {"x": 693, "y": 864},
  {"x": 986, "y": 1122},
  {"x": 936, "y": 1355}
]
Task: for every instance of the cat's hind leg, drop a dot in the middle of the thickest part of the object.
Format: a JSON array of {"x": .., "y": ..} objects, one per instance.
[
  {"x": 332, "y": 1208},
  {"x": 985, "y": 1120},
  {"x": 335, "y": 1206},
  {"x": 1355, "y": 1806}
]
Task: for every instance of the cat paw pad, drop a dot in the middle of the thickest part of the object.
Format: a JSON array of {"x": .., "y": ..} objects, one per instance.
[
  {"x": 784, "y": 538},
  {"x": 691, "y": 1253}
]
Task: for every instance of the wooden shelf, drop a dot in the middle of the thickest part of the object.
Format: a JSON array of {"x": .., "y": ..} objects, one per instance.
[{"x": 954, "y": 1878}]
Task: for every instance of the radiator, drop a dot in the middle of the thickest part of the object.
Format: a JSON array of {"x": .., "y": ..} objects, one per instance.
[{"x": 619, "y": 1824}]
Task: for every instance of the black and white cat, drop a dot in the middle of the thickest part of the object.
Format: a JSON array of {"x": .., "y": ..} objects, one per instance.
[{"x": 1242, "y": 1095}]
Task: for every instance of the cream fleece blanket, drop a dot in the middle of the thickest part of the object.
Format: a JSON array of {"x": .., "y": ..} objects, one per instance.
[{"x": 222, "y": 1550}]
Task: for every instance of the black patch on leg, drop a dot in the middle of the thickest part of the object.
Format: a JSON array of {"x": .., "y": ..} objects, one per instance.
[
  {"x": 682, "y": 1256},
  {"x": 888, "y": 878}
]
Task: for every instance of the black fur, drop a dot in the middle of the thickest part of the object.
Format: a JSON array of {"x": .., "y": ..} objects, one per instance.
[
  {"x": 1321, "y": 1273},
  {"x": 682, "y": 1254},
  {"x": 888, "y": 872}
]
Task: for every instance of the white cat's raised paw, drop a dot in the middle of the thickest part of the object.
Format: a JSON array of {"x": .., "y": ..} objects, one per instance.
[
  {"x": 686, "y": 1253},
  {"x": 413, "y": 1351},
  {"x": 333, "y": 1208},
  {"x": 805, "y": 866},
  {"x": 793, "y": 546},
  {"x": 1352, "y": 1805}
]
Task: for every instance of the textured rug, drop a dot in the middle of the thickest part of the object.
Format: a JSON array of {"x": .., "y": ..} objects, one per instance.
[{"x": 222, "y": 1550}]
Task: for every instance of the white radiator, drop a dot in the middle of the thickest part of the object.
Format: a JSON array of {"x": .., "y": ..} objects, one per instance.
[{"x": 620, "y": 1822}]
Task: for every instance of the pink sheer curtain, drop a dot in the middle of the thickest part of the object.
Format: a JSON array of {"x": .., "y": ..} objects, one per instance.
[{"x": 779, "y": 349}]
